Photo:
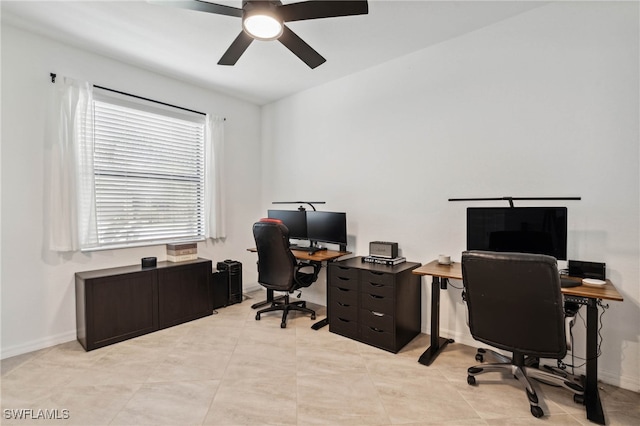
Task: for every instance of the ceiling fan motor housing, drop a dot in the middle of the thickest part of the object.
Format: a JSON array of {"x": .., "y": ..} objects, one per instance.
[{"x": 265, "y": 16}]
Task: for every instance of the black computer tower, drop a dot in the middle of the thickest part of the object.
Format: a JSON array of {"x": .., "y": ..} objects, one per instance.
[{"x": 233, "y": 269}]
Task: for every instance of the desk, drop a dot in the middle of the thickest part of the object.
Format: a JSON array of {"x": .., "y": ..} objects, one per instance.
[
  {"x": 317, "y": 257},
  {"x": 588, "y": 296}
]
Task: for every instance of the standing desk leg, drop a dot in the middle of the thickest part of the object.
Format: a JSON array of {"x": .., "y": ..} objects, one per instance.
[
  {"x": 592, "y": 395},
  {"x": 437, "y": 343}
]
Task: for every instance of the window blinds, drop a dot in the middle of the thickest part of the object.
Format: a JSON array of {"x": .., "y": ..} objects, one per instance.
[{"x": 149, "y": 173}]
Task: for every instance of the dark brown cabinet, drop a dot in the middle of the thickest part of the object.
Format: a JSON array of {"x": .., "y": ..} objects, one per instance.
[
  {"x": 375, "y": 304},
  {"x": 117, "y": 304}
]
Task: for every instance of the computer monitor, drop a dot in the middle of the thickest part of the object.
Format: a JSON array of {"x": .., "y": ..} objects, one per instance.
[
  {"x": 327, "y": 227},
  {"x": 294, "y": 220},
  {"x": 539, "y": 230}
]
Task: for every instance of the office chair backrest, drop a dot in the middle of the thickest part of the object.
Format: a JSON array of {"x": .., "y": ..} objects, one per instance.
[
  {"x": 515, "y": 302},
  {"x": 276, "y": 263}
]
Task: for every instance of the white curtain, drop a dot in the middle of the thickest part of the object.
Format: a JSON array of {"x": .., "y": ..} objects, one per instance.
[
  {"x": 214, "y": 178},
  {"x": 70, "y": 182}
]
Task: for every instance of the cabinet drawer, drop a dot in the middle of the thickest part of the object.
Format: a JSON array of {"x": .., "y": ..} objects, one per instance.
[
  {"x": 376, "y": 277},
  {"x": 342, "y": 271},
  {"x": 375, "y": 319},
  {"x": 376, "y": 288},
  {"x": 343, "y": 310},
  {"x": 377, "y": 337},
  {"x": 377, "y": 302},
  {"x": 344, "y": 326},
  {"x": 348, "y": 279},
  {"x": 344, "y": 295}
]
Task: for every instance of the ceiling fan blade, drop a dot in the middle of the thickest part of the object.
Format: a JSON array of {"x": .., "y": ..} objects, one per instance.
[
  {"x": 301, "y": 49},
  {"x": 201, "y": 6},
  {"x": 322, "y": 9},
  {"x": 236, "y": 49}
]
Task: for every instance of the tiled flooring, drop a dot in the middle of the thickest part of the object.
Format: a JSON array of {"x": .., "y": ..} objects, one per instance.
[{"x": 229, "y": 369}]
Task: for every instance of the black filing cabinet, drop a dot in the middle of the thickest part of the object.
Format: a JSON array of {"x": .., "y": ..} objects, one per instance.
[{"x": 375, "y": 304}]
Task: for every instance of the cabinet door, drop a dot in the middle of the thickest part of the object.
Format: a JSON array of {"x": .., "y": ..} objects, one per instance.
[
  {"x": 183, "y": 293},
  {"x": 119, "y": 308}
]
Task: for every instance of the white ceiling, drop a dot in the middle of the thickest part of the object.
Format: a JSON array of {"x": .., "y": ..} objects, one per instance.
[{"x": 187, "y": 45}]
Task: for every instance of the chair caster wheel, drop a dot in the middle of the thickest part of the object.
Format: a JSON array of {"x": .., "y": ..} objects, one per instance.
[
  {"x": 471, "y": 380},
  {"x": 257, "y": 317},
  {"x": 536, "y": 411},
  {"x": 313, "y": 316},
  {"x": 283, "y": 325},
  {"x": 578, "y": 399},
  {"x": 479, "y": 358}
]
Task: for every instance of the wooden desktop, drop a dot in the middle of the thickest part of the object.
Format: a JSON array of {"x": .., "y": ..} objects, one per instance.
[{"x": 587, "y": 295}]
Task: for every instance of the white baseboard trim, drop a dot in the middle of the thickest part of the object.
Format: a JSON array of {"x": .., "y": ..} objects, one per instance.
[{"x": 35, "y": 345}]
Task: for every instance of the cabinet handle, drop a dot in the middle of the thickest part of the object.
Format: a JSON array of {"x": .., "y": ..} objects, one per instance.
[
  {"x": 344, "y": 304},
  {"x": 376, "y": 273},
  {"x": 378, "y": 314},
  {"x": 375, "y": 296},
  {"x": 377, "y": 330},
  {"x": 376, "y": 284},
  {"x": 343, "y": 278},
  {"x": 342, "y": 289},
  {"x": 343, "y": 320}
]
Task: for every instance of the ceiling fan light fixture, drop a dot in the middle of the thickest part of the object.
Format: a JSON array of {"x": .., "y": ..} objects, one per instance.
[{"x": 262, "y": 25}]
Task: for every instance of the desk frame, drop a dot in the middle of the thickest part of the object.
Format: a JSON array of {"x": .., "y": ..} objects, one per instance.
[{"x": 442, "y": 273}]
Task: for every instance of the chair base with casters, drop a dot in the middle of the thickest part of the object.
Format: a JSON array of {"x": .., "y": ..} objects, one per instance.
[
  {"x": 285, "y": 305},
  {"x": 523, "y": 368}
]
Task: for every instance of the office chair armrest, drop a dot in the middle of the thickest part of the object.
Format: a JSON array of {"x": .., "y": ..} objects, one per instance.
[{"x": 314, "y": 274}]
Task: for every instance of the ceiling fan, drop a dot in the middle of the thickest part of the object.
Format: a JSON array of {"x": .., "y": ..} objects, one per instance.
[{"x": 264, "y": 20}]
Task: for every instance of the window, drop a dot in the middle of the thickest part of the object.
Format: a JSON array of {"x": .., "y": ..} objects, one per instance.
[{"x": 149, "y": 171}]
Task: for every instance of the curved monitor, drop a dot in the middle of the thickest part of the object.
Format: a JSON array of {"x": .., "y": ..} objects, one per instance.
[
  {"x": 539, "y": 230},
  {"x": 327, "y": 227}
]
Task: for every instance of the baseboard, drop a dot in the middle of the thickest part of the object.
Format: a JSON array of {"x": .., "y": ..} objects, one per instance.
[{"x": 35, "y": 345}]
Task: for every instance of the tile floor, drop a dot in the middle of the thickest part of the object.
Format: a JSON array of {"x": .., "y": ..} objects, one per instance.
[{"x": 229, "y": 369}]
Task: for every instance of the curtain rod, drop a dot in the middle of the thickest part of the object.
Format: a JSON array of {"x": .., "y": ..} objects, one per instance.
[{"x": 53, "y": 80}]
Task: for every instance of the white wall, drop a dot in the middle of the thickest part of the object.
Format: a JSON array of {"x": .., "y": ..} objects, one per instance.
[
  {"x": 544, "y": 104},
  {"x": 38, "y": 294}
]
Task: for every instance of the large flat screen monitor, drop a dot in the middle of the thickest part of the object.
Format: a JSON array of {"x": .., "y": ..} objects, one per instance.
[
  {"x": 540, "y": 230},
  {"x": 294, "y": 220},
  {"x": 327, "y": 227}
]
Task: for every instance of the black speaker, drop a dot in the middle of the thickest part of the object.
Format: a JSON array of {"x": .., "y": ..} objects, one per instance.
[
  {"x": 578, "y": 268},
  {"x": 234, "y": 271}
]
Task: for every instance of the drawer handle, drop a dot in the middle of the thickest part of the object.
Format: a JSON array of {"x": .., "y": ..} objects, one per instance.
[
  {"x": 376, "y": 273},
  {"x": 343, "y": 320},
  {"x": 376, "y": 284},
  {"x": 377, "y": 330},
  {"x": 343, "y": 278},
  {"x": 342, "y": 289},
  {"x": 375, "y": 296},
  {"x": 378, "y": 314},
  {"x": 344, "y": 304},
  {"x": 343, "y": 268}
]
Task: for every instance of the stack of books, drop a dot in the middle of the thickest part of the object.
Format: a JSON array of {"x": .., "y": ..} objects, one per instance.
[
  {"x": 384, "y": 260},
  {"x": 182, "y": 252}
]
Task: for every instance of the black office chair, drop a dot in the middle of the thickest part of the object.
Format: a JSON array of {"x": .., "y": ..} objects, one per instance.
[
  {"x": 278, "y": 269},
  {"x": 515, "y": 304}
]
